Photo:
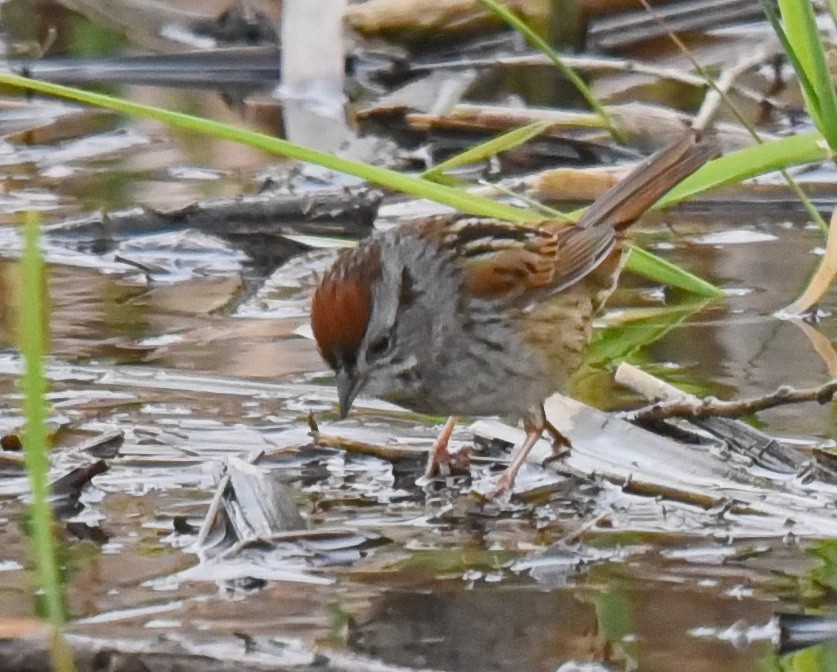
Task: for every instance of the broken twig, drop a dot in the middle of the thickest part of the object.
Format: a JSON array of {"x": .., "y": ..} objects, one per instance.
[
  {"x": 739, "y": 437},
  {"x": 388, "y": 453},
  {"x": 711, "y": 407}
]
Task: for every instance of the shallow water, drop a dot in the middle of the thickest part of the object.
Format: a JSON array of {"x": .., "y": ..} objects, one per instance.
[{"x": 197, "y": 363}]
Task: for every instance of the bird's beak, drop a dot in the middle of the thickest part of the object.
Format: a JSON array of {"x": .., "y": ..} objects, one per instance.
[{"x": 348, "y": 387}]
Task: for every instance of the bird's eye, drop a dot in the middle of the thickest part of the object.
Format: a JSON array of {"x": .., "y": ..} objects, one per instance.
[{"x": 379, "y": 347}]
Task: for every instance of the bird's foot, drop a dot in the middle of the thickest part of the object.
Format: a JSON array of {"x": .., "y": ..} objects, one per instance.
[
  {"x": 503, "y": 486},
  {"x": 449, "y": 464},
  {"x": 441, "y": 462},
  {"x": 561, "y": 445}
]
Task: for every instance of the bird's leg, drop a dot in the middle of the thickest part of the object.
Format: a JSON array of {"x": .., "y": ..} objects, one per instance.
[
  {"x": 561, "y": 445},
  {"x": 534, "y": 423},
  {"x": 439, "y": 460}
]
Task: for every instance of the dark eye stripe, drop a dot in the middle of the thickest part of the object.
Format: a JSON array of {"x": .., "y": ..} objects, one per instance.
[
  {"x": 407, "y": 293},
  {"x": 378, "y": 347}
]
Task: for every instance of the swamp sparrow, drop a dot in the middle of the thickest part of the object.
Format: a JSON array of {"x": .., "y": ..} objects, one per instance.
[{"x": 454, "y": 315}]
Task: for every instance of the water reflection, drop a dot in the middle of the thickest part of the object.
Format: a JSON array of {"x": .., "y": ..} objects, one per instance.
[{"x": 510, "y": 628}]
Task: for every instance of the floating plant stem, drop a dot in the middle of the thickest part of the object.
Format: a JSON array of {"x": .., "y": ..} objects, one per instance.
[
  {"x": 456, "y": 198},
  {"x": 487, "y": 149}
]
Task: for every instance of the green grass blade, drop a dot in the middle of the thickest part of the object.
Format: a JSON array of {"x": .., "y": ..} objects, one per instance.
[
  {"x": 747, "y": 163},
  {"x": 486, "y": 150},
  {"x": 732, "y": 168},
  {"x": 545, "y": 210},
  {"x": 742, "y": 165},
  {"x": 618, "y": 342},
  {"x": 808, "y": 91},
  {"x": 455, "y": 198},
  {"x": 32, "y": 339},
  {"x": 416, "y": 186},
  {"x": 539, "y": 43},
  {"x": 807, "y": 54},
  {"x": 801, "y": 30},
  {"x": 657, "y": 269}
]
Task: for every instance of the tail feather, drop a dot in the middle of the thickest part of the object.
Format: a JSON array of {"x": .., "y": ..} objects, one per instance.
[{"x": 627, "y": 201}]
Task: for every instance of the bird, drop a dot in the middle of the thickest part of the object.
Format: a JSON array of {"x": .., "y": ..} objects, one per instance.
[{"x": 458, "y": 315}]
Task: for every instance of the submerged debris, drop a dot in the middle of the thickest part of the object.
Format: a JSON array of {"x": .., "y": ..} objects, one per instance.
[
  {"x": 325, "y": 213},
  {"x": 222, "y": 537},
  {"x": 66, "y": 491},
  {"x": 799, "y": 631},
  {"x": 105, "y": 445},
  {"x": 249, "y": 503}
]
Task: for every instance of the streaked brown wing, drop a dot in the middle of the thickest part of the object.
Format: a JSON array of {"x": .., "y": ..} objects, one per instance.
[
  {"x": 519, "y": 262},
  {"x": 524, "y": 263}
]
